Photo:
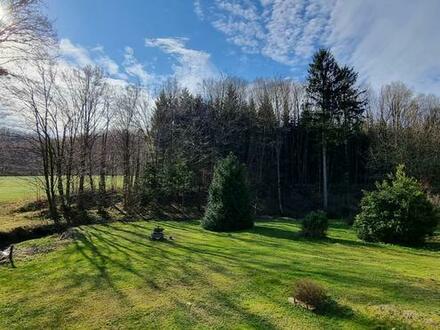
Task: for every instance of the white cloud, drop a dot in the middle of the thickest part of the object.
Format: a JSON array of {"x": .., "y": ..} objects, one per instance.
[
  {"x": 75, "y": 54},
  {"x": 241, "y": 23},
  {"x": 198, "y": 9},
  {"x": 193, "y": 66},
  {"x": 392, "y": 41},
  {"x": 131, "y": 68},
  {"x": 108, "y": 64},
  {"x": 384, "y": 40},
  {"x": 134, "y": 68}
]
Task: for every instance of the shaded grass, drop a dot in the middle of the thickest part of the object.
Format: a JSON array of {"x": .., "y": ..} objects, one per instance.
[{"x": 115, "y": 277}]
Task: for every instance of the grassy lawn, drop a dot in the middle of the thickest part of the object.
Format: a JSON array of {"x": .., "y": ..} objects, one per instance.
[{"x": 115, "y": 277}]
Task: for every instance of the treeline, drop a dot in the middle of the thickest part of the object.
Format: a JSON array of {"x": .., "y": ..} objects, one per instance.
[
  {"x": 16, "y": 156},
  {"x": 306, "y": 145}
]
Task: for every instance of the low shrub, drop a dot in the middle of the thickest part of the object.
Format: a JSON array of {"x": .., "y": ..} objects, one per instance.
[
  {"x": 397, "y": 211},
  {"x": 32, "y": 206},
  {"x": 315, "y": 224},
  {"x": 310, "y": 293}
]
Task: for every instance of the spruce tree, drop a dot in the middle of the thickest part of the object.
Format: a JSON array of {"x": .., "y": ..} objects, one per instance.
[
  {"x": 335, "y": 105},
  {"x": 229, "y": 206}
]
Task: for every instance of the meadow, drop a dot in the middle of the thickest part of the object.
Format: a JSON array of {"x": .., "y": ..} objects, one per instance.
[
  {"x": 15, "y": 191},
  {"x": 19, "y": 188},
  {"x": 114, "y": 276}
]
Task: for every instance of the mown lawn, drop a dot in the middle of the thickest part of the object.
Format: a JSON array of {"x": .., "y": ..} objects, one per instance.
[{"x": 113, "y": 276}]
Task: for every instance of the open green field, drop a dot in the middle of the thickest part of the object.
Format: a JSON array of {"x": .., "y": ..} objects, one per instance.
[
  {"x": 113, "y": 276},
  {"x": 16, "y": 190},
  {"x": 19, "y": 188}
]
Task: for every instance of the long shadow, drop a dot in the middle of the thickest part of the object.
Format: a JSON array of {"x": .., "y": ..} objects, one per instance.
[
  {"x": 100, "y": 262},
  {"x": 279, "y": 233},
  {"x": 274, "y": 232},
  {"x": 221, "y": 259}
]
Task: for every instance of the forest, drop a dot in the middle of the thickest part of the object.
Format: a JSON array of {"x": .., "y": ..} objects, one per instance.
[{"x": 300, "y": 155}]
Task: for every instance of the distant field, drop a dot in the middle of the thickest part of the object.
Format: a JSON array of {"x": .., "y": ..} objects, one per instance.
[
  {"x": 15, "y": 191},
  {"x": 19, "y": 188}
]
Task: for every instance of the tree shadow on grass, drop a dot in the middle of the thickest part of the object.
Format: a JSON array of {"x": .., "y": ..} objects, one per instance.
[
  {"x": 331, "y": 308},
  {"x": 102, "y": 242},
  {"x": 280, "y": 233}
]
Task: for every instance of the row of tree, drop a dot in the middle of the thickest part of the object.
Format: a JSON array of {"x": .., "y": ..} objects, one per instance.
[
  {"x": 306, "y": 145},
  {"x": 298, "y": 141}
]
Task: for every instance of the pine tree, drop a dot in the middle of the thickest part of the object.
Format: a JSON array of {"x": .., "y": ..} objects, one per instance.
[
  {"x": 335, "y": 105},
  {"x": 229, "y": 206}
]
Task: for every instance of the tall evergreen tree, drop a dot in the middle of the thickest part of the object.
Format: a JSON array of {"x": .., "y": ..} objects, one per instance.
[
  {"x": 334, "y": 105},
  {"x": 229, "y": 206},
  {"x": 322, "y": 102}
]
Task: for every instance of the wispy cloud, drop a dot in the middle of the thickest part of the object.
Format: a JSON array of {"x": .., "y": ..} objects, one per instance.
[
  {"x": 74, "y": 54},
  {"x": 129, "y": 69},
  {"x": 134, "y": 68},
  {"x": 198, "y": 9},
  {"x": 192, "y": 67},
  {"x": 384, "y": 40}
]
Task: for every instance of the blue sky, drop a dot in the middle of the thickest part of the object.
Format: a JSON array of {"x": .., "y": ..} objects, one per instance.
[{"x": 191, "y": 40}]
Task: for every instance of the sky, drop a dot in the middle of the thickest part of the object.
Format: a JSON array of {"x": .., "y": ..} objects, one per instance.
[{"x": 191, "y": 40}]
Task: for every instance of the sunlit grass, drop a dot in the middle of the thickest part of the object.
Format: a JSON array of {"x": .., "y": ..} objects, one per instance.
[
  {"x": 19, "y": 188},
  {"x": 115, "y": 277},
  {"x": 15, "y": 191}
]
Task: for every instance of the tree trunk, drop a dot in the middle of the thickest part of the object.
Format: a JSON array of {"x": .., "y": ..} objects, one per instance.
[
  {"x": 280, "y": 202},
  {"x": 324, "y": 173}
]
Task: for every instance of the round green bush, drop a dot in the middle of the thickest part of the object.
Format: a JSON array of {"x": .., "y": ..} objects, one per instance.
[
  {"x": 315, "y": 224},
  {"x": 229, "y": 206},
  {"x": 398, "y": 211}
]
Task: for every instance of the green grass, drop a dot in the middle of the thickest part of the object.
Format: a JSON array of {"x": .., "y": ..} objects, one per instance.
[
  {"x": 15, "y": 190},
  {"x": 115, "y": 277},
  {"x": 19, "y": 188}
]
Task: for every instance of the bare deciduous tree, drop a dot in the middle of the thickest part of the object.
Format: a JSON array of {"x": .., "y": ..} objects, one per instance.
[{"x": 24, "y": 31}]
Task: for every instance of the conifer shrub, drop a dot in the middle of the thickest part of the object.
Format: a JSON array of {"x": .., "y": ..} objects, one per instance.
[
  {"x": 229, "y": 204},
  {"x": 315, "y": 225},
  {"x": 397, "y": 211}
]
